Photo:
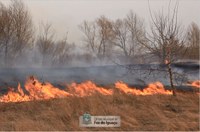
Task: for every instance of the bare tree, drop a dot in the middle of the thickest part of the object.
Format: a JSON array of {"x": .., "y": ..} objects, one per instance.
[
  {"x": 16, "y": 30},
  {"x": 6, "y": 31},
  {"x": 98, "y": 35},
  {"x": 45, "y": 42},
  {"x": 120, "y": 31},
  {"x": 22, "y": 27},
  {"x": 125, "y": 32},
  {"x": 166, "y": 39},
  {"x": 166, "y": 35},
  {"x": 90, "y": 31},
  {"x": 137, "y": 30},
  {"x": 62, "y": 51},
  {"x": 105, "y": 35},
  {"x": 193, "y": 41}
]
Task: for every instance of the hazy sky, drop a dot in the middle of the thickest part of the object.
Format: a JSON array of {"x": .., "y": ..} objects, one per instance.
[{"x": 66, "y": 15}]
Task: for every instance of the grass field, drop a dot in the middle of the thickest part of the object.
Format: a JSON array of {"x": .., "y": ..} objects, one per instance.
[{"x": 152, "y": 112}]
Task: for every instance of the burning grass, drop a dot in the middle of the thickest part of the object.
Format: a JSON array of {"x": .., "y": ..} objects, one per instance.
[
  {"x": 43, "y": 91},
  {"x": 151, "y": 112},
  {"x": 41, "y": 106}
]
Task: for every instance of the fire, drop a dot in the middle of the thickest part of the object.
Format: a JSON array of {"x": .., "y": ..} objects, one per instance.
[
  {"x": 36, "y": 90},
  {"x": 195, "y": 84},
  {"x": 15, "y": 96},
  {"x": 153, "y": 88},
  {"x": 87, "y": 88},
  {"x": 124, "y": 88}
]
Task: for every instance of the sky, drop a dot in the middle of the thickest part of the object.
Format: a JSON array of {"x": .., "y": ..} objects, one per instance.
[{"x": 66, "y": 15}]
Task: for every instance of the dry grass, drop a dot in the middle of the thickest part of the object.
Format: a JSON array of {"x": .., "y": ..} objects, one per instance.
[{"x": 157, "y": 112}]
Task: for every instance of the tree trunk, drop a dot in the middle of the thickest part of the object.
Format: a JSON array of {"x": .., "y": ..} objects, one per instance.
[{"x": 171, "y": 78}]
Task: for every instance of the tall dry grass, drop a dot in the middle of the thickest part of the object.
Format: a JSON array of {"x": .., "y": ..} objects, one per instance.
[{"x": 157, "y": 112}]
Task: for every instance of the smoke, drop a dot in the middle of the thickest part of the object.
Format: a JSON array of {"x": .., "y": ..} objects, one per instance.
[{"x": 139, "y": 75}]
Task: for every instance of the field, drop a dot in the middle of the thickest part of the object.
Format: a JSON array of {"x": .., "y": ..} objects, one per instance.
[
  {"x": 98, "y": 65},
  {"x": 141, "y": 111},
  {"x": 157, "y": 112}
]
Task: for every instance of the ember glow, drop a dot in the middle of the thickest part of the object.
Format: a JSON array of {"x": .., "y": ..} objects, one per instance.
[{"x": 36, "y": 90}]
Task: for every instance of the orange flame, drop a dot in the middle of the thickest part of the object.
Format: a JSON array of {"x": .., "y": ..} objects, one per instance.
[
  {"x": 13, "y": 96},
  {"x": 39, "y": 90},
  {"x": 35, "y": 90},
  {"x": 195, "y": 84},
  {"x": 87, "y": 88},
  {"x": 153, "y": 88}
]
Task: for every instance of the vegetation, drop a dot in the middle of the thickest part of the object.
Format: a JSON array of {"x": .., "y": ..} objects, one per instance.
[
  {"x": 104, "y": 39},
  {"x": 16, "y": 31},
  {"x": 157, "y": 112}
]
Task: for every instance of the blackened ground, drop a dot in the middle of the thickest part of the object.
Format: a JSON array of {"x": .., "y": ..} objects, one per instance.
[{"x": 134, "y": 75}]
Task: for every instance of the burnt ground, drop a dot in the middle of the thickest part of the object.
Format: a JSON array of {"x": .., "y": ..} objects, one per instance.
[{"x": 134, "y": 75}]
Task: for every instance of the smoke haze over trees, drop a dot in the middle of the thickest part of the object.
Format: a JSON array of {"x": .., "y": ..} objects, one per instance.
[
  {"x": 16, "y": 31},
  {"x": 125, "y": 40}
]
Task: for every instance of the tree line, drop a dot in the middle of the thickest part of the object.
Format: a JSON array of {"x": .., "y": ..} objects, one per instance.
[{"x": 124, "y": 38}]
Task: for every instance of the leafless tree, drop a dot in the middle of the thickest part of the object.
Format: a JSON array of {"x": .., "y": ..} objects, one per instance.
[
  {"x": 90, "y": 31},
  {"x": 45, "y": 42},
  {"x": 98, "y": 35},
  {"x": 105, "y": 35},
  {"x": 166, "y": 38},
  {"x": 16, "y": 30},
  {"x": 193, "y": 41},
  {"x": 22, "y": 27},
  {"x": 137, "y": 30},
  {"x": 125, "y": 33},
  {"x": 6, "y": 33},
  {"x": 62, "y": 51},
  {"x": 120, "y": 31}
]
